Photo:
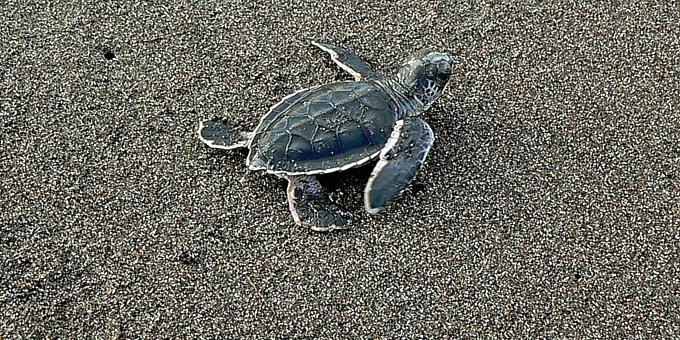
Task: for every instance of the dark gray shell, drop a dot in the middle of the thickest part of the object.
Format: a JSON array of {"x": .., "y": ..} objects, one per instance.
[{"x": 324, "y": 129}]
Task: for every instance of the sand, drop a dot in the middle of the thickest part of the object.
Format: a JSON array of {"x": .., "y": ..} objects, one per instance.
[{"x": 548, "y": 206}]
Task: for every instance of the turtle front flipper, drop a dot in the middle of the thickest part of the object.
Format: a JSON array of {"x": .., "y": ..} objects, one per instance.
[
  {"x": 216, "y": 133},
  {"x": 400, "y": 160},
  {"x": 310, "y": 205},
  {"x": 348, "y": 61}
]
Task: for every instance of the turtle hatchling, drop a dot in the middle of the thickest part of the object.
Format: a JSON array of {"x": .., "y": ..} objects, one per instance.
[{"x": 341, "y": 125}]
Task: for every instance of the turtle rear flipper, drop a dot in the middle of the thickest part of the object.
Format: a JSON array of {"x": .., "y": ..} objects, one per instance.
[
  {"x": 216, "y": 133},
  {"x": 399, "y": 163},
  {"x": 310, "y": 205}
]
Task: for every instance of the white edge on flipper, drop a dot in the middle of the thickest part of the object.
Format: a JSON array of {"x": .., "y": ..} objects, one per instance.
[
  {"x": 212, "y": 144},
  {"x": 293, "y": 212},
  {"x": 250, "y": 140},
  {"x": 329, "y": 228},
  {"x": 394, "y": 138},
  {"x": 334, "y": 56}
]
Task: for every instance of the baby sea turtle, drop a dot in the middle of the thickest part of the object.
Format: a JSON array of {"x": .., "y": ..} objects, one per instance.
[{"x": 341, "y": 125}]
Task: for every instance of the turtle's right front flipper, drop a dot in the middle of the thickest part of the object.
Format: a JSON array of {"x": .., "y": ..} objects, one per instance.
[
  {"x": 400, "y": 160},
  {"x": 348, "y": 61},
  {"x": 310, "y": 205},
  {"x": 218, "y": 134}
]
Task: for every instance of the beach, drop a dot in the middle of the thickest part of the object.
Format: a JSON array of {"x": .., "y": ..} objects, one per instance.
[{"x": 547, "y": 207}]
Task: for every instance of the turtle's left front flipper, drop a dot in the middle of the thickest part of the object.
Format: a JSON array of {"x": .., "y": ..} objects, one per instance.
[
  {"x": 400, "y": 160},
  {"x": 348, "y": 61}
]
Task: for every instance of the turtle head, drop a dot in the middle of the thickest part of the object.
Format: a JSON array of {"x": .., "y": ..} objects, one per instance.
[{"x": 425, "y": 74}]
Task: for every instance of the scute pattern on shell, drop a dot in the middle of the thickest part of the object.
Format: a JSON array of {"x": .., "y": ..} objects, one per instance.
[{"x": 327, "y": 128}]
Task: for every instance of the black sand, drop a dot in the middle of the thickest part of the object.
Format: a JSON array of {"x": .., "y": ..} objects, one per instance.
[{"x": 548, "y": 206}]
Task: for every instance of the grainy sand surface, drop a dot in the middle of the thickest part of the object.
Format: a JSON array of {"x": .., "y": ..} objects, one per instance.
[{"x": 549, "y": 205}]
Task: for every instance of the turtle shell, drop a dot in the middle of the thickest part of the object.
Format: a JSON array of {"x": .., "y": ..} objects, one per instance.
[{"x": 324, "y": 129}]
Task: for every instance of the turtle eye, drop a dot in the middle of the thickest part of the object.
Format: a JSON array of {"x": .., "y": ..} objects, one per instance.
[
  {"x": 431, "y": 72},
  {"x": 297, "y": 192}
]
